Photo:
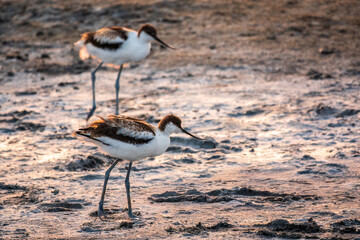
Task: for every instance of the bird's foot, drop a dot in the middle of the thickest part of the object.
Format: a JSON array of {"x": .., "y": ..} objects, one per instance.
[
  {"x": 91, "y": 113},
  {"x": 101, "y": 213},
  {"x": 132, "y": 216}
]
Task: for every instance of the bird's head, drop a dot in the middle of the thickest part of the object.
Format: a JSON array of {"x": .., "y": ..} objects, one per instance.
[
  {"x": 172, "y": 124},
  {"x": 148, "y": 33}
]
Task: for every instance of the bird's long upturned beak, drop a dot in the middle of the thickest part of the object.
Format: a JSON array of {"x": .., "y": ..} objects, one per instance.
[
  {"x": 163, "y": 43},
  {"x": 184, "y": 131}
]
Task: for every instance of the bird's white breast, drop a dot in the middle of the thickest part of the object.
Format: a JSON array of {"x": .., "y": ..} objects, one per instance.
[
  {"x": 133, "y": 152},
  {"x": 133, "y": 49}
]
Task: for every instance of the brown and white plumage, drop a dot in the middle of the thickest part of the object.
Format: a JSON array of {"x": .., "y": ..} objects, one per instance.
[
  {"x": 108, "y": 38},
  {"x": 122, "y": 128},
  {"x": 116, "y": 45},
  {"x": 131, "y": 139}
]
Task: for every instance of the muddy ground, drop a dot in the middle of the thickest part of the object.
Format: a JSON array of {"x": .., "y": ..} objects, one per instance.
[{"x": 273, "y": 85}]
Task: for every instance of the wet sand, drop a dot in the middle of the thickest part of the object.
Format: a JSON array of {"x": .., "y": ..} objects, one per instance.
[{"x": 275, "y": 87}]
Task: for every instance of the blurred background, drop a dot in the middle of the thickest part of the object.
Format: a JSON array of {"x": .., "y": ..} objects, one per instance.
[{"x": 285, "y": 36}]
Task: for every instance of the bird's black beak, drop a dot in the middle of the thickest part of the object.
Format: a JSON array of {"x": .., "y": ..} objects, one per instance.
[
  {"x": 184, "y": 131},
  {"x": 163, "y": 43}
]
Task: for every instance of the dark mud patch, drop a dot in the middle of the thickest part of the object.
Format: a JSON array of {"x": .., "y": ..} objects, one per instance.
[
  {"x": 15, "y": 116},
  {"x": 17, "y": 195},
  {"x": 17, "y": 113},
  {"x": 159, "y": 92},
  {"x": 58, "y": 69},
  {"x": 108, "y": 212},
  {"x": 248, "y": 113},
  {"x": 313, "y": 94},
  {"x": 181, "y": 145},
  {"x": 11, "y": 187},
  {"x": 194, "y": 143},
  {"x": 316, "y": 75},
  {"x": 19, "y": 233},
  {"x": 126, "y": 225},
  {"x": 200, "y": 228},
  {"x": 307, "y": 157},
  {"x": 186, "y": 198},
  {"x": 91, "y": 177},
  {"x": 29, "y": 126},
  {"x": 329, "y": 170},
  {"x": 350, "y": 73},
  {"x": 90, "y": 227},
  {"x": 283, "y": 225},
  {"x": 282, "y": 228},
  {"x": 339, "y": 155},
  {"x": 64, "y": 84},
  {"x": 25, "y": 93},
  {"x": 323, "y": 110},
  {"x": 60, "y": 206},
  {"x": 82, "y": 163},
  {"x": 346, "y": 226},
  {"x": 178, "y": 149},
  {"x": 226, "y": 195},
  {"x": 94, "y": 227},
  {"x": 136, "y": 169},
  {"x": 268, "y": 196},
  {"x": 283, "y": 235},
  {"x": 9, "y": 120},
  {"x": 185, "y": 160},
  {"x": 60, "y": 136},
  {"x": 347, "y": 112},
  {"x": 113, "y": 211},
  {"x": 346, "y": 222}
]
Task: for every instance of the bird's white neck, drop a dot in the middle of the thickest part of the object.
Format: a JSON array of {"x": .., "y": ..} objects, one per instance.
[
  {"x": 144, "y": 37},
  {"x": 170, "y": 128}
]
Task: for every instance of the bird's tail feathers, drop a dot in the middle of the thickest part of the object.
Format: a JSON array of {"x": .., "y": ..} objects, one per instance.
[
  {"x": 83, "y": 53},
  {"x": 86, "y": 137},
  {"x": 79, "y": 43}
]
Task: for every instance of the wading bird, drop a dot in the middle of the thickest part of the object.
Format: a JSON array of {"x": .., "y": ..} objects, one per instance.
[
  {"x": 116, "y": 45},
  {"x": 130, "y": 139}
]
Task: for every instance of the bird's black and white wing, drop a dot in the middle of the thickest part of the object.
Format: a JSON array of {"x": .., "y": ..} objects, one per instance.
[
  {"x": 119, "y": 128},
  {"x": 105, "y": 38}
]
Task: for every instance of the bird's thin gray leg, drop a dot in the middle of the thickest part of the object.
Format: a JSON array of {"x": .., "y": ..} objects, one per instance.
[
  {"x": 101, "y": 212},
  {"x": 93, "y": 78},
  {"x": 117, "y": 87},
  {"x": 127, "y": 185}
]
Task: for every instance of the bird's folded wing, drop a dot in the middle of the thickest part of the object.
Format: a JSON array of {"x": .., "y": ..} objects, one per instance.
[
  {"x": 111, "y": 35},
  {"x": 105, "y": 38},
  {"x": 121, "y": 128}
]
